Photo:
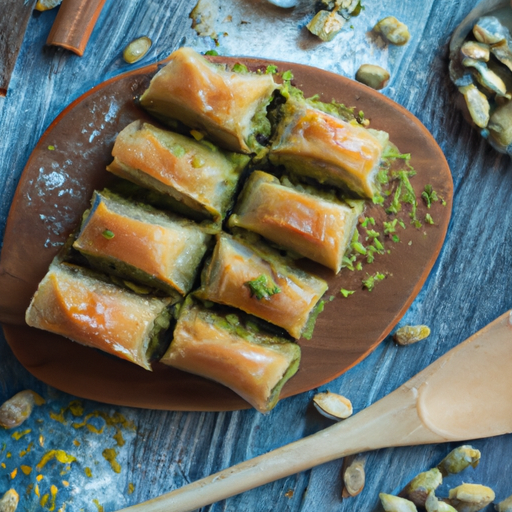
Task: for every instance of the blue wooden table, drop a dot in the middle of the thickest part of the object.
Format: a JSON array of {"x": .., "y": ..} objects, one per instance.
[{"x": 124, "y": 456}]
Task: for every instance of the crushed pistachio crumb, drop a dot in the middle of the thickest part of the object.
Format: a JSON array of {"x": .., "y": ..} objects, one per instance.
[
  {"x": 262, "y": 287},
  {"x": 240, "y": 68},
  {"x": 108, "y": 234},
  {"x": 429, "y": 219},
  {"x": 287, "y": 75},
  {"x": 371, "y": 280},
  {"x": 51, "y": 148},
  {"x": 271, "y": 69},
  {"x": 346, "y": 293}
]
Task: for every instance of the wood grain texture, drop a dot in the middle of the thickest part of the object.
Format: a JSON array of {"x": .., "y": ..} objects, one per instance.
[
  {"x": 468, "y": 287},
  {"x": 15, "y": 17}
]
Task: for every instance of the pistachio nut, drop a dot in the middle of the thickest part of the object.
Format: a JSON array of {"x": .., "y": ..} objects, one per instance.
[
  {"x": 475, "y": 50},
  {"x": 392, "y": 503},
  {"x": 326, "y": 25},
  {"x": 373, "y": 76},
  {"x": 420, "y": 486},
  {"x": 409, "y": 334},
  {"x": 477, "y": 103},
  {"x": 470, "y": 497},
  {"x": 136, "y": 49},
  {"x": 9, "y": 501},
  {"x": 459, "y": 459},
  {"x": 17, "y": 409},
  {"x": 393, "y": 31}
]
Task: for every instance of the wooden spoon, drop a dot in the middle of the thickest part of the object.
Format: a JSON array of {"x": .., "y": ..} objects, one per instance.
[{"x": 466, "y": 394}]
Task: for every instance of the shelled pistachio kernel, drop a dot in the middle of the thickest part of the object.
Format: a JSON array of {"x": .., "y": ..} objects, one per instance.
[
  {"x": 17, "y": 409},
  {"x": 9, "y": 501},
  {"x": 332, "y": 406},
  {"x": 392, "y": 503},
  {"x": 373, "y": 76},
  {"x": 432, "y": 504},
  {"x": 471, "y": 497},
  {"x": 489, "y": 30},
  {"x": 326, "y": 25},
  {"x": 503, "y": 53},
  {"x": 476, "y": 50},
  {"x": 393, "y": 30},
  {"x": 418, "y": 489},
  {"x": 136, "y": 49},
  {"x": 409, "y": 334},
  {"x": 487, "y": 77},
  {"x": 477, "y": 103},
  {"x": 505, "y": 505},
  {"x": 500, "y": 124},
  {"x": 459, "y": 459}
]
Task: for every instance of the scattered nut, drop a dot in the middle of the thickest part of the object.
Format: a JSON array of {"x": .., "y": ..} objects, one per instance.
[
  {"x": 459, "y": 459},
  {"x": 477, "y": 51},
  {"x": 9, "y": 501},
  {"x": 332, "y": 406},
  {"x": 505, "y": 505},
  {"x": 17, "y": 409},
  {"x": 418, "y": 489},
  {"x": 470, "y": 497},
  {"x": 477, "y": 103},
  {"x": 409, "y": 334},
  {"x": 326, "y": 25},
  {"x": 135, "y": 50},
  {"x": 353, "y": 475},
  {"x": 393, "y": 31},
  {"x": 392, "y": 503},
  {"x": 373, "y": 76},
  {"x": 432, "y": 504}
]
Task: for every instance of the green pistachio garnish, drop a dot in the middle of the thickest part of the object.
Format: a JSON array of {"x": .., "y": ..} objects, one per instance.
[
  {"x": 262, "y": 287},
  {"x": 371, "y": 280},
  {"x": 240, "y": 68},
  {"x": 346, "y": 293},
  {"x": 108, "y": 234}
]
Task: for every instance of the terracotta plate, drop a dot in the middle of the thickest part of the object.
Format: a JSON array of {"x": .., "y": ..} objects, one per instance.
[{"x": 69, "y": 162}]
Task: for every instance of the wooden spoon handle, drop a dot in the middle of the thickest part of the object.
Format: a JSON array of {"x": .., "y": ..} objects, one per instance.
[
  {"x": 393, "y": 421},
  {"x": 74, "y": 23}
]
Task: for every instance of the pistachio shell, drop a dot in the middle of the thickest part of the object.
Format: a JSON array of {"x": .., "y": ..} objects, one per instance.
[
  {"x": 489, "y": 30},
  {"x": 326, "y": 25},
  {"x": 373, "y": 76},
  {"x": 470, "y": 497},
  {"x": 478, "y": 105},
  {"x": 333, "y": 406},
  {"x": 354, "y": 476},
  {"x": 459, "y": 459},
  {"x": 393, "y": 30},
  {"x": 477, "y": 51},
  {"x": 136, "y": 49},
  {"x": 392, "y": 503},
  {"x": 409, "y": 334},
  {"x": 9, "y": 501}
]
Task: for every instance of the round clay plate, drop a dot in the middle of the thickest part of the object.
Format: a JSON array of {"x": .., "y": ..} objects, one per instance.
[{"x": 69, "y": 162}]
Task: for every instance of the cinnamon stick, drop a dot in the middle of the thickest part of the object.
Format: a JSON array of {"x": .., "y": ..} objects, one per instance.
[{"x": 74, "y": 23}]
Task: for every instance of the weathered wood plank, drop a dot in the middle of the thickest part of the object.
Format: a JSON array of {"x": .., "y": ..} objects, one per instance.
[
  {"x": 14, "y": 21},
  {"x": 469, "y": 286}
]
